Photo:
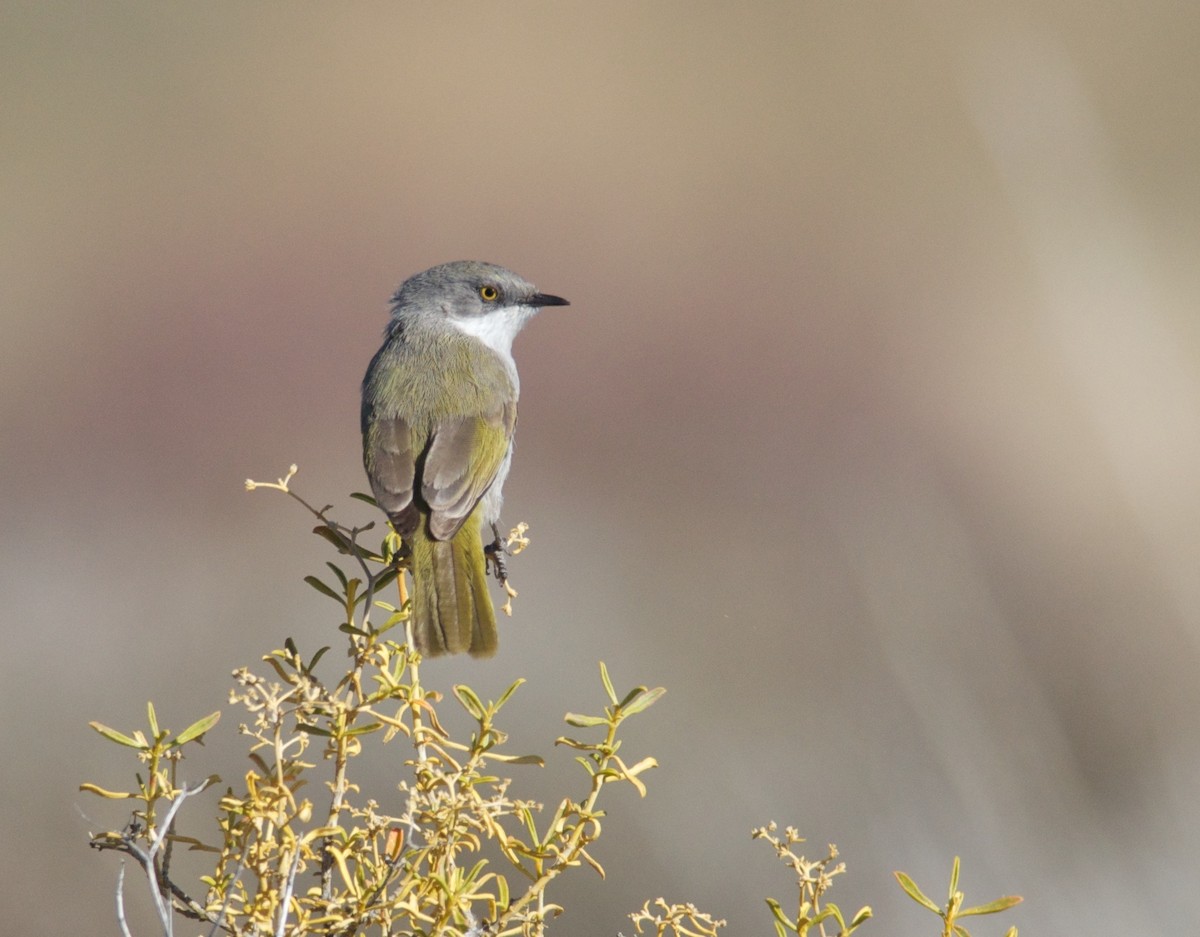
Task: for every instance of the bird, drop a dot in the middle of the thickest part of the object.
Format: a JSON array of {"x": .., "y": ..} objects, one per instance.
[{"x": 439, "y": 409}]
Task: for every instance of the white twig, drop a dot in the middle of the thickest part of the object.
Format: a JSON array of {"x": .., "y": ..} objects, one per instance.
[
  {"x": 164, "y": 908},
  {"x": 121, "y": 900},
  {"x": 237, "y": 873},
  {"x": 287, "y": 893}
]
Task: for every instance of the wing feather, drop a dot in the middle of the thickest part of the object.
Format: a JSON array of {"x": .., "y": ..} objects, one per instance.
[
  {"x": 461, "y": 465},
  {"x": 391, "y": 469}
]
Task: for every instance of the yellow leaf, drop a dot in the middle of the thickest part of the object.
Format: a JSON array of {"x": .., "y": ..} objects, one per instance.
[{"x": 112, "y": 795}]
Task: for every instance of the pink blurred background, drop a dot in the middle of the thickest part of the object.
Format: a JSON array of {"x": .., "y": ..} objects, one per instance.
[{"x": 872, "y": 432}]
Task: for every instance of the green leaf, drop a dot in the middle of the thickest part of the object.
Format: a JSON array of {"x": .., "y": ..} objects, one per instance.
[
  {"x": 628, "y": 697},
  {"x": 197, "y": 728},
  {"x": 608, "y": 687},
  {"x": 504, "y": 697},
  {"x": 530, "y": 826},
  {"x": 360, "y": 496},
  {"x": 153, "y": 720},
  {"x": 961, "y": 931},
  {"x": 201, "y": 847},
  {"x": 471, "y": 703},
  {"x": 780, "y": 917},
  {"x": 314, "y": 730},
  {"x": 993, "y": 907},
  {"x": 472, "y": 878},
  {"x": 864, "y": 914},
  {"x": 316, "y": 657},
  {"x": 392, "y": 621},
  {"x": 114, "y": 736},
  {"x": 339, "y": 541},
  {"x": 324, "y": 589},
  {"x": 953, "y": 881},
  {"x": 911, "y": 889},
  {"x": 365, "y": 730},
  {"x": 645, "y": 701},
  {"x": 385, "y": 578},
  {"x": 278, "y": 667},
  {"x": 584, "y": 722},
  {"x": 341, "y": 577},
  {"x": 191, "y": 842}
]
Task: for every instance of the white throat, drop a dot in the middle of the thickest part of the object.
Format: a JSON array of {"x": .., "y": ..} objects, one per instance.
[{"x": 497, "y": 329}]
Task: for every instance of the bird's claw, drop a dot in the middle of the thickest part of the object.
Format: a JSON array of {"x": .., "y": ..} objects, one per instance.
[{"x": 494, "y": 557}]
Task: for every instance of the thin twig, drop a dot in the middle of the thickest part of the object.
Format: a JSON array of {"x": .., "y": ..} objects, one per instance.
[
  {"x": 237, "y": 873},
  {"x": 121, "y": 900},
  {"x": 287, "y": 893},
  {"x": 164, "y": 911}
]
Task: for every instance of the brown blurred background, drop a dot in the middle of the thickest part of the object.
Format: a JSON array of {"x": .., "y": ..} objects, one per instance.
[{"x": 871, "y": 432}]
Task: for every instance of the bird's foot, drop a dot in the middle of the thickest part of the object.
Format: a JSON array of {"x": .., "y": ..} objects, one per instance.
[
  {"x": 495, "y": 554},
  {"x": 402, "y": 558},
  {"x": 494, "y": 557}
]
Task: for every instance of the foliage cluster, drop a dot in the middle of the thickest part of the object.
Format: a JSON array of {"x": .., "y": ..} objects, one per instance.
[{"x": 458, "y": 855}]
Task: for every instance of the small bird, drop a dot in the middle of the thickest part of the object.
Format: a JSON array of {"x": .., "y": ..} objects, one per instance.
[{"x": 439, "y": 406}]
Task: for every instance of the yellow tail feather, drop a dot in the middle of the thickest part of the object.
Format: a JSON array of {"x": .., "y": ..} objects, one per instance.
[{"x": 451, "y": 608}]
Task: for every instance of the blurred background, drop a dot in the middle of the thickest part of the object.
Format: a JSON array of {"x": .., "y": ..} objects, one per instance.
[{"x": 871, "y": 431}]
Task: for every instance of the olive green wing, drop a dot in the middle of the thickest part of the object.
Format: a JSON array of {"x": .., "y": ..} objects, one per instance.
[{"x": 461, "y": 464}]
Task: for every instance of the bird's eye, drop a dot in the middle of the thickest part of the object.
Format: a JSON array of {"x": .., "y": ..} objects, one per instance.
[{"x": 489, "y": 293}]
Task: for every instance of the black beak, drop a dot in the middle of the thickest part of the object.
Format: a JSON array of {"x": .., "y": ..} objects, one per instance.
[{"x": 545, "y": 299}]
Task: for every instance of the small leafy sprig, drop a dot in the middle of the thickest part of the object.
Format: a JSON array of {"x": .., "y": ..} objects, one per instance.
[
  {"x": 954, "y": 904},
  {"x": 149, "y": 837},
  {"x": 813, "y": 879}
]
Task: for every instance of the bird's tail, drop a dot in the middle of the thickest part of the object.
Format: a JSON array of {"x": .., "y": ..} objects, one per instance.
[{"x": 451, "y": 609}]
